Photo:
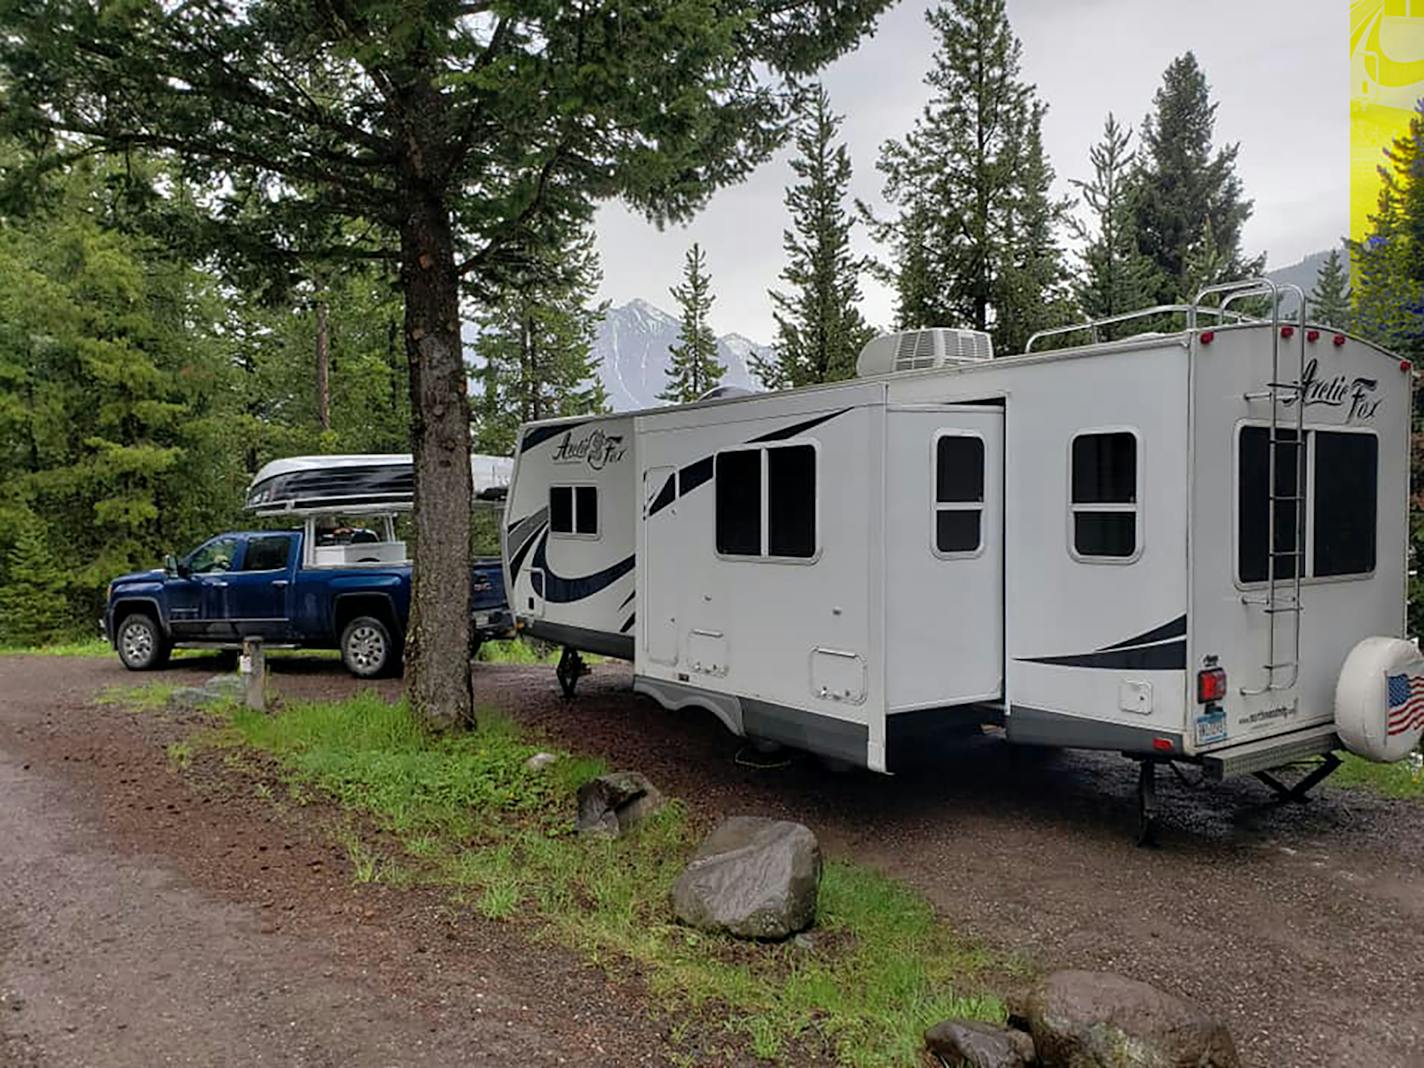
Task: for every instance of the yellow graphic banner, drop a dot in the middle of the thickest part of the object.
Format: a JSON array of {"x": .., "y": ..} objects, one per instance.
[{"x": 1386, "y": 84}]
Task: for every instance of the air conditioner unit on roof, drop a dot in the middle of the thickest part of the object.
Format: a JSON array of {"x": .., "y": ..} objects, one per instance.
[{"x": 918, "y": 350}]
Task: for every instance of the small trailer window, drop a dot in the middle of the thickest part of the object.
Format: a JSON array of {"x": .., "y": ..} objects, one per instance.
[
  {"x": 959, "y": 493},
  {"x": 573, "y": 511},
  {"x": 1340, "y": 501},
  {"x": 783, "y": 525},
  {"x": 1346, "y": 484},
  {"x": 1103, "y": 497}
]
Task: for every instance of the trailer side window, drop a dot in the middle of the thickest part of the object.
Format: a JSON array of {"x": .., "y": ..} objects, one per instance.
[
  {"x": 573, "y": 511},
  {"x": 786, "y": 528},
  {"x": 959, "y": 493},
  {"x": 1103, "y": 495},
  {"x": 738, "y": 477},
  {"x": 1346, "y": 484}
]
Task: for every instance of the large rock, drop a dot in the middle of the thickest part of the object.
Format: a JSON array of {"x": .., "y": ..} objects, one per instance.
[
  {"x": 751, "y": 877},
  {"x": 1100, "y": 1020},
  {"x": 979, "y": 1045},
  {"x": 615, "y": 803}
]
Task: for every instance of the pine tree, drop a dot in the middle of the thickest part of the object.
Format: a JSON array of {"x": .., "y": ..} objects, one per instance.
[
  {"x": 819, "y": 328},
  {"x": 536, "y": 343},
  {"x": 973, "y": 241},
  {"x": 1190, "y": 206},
  {"x": 442, "y": 136},
  {"x": 1389, "y": 263},
  {"x": 1116, "y": 278},
  {"x": 694, "y": 368},
  {"x": 32, "y": 597},
  {"x": 1329, "y": 301}
]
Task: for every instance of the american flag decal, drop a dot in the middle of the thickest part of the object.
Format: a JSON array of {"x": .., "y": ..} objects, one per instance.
[{"x": 1406, "y": 703}]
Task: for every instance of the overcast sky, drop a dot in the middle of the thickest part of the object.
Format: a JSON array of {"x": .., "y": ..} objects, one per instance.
[{"x": 1278, "y": 69}]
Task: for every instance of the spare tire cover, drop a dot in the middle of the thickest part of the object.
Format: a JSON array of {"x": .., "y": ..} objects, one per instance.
[{"x": 1379, "y": 699}]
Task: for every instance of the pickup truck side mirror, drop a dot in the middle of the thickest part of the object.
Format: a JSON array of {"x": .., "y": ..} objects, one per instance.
[{"x": 173, "y": 567}]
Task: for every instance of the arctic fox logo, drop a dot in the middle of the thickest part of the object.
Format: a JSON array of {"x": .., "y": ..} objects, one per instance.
[
  {"x": 1358, "y": 393},
  {"x": 595, "y": 448}
]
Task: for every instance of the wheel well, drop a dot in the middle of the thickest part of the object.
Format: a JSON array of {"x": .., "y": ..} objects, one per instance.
[
  {"x": 124, "y": 609},
  {"x": 375, "y": 605}
]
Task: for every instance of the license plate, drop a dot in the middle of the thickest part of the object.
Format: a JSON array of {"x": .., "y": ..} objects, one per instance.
[{"x": 1211, "y": 727}]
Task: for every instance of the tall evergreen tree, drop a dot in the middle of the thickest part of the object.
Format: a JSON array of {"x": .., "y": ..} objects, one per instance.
[
  {"x": 1116, "y": 278},
  {"x": 1191, "y": 207},
  {"x": 694, "y": 368},
  {"x": 33, "y": 610},
  {"x": 819, "y": 328},
  {"x": 451, "y": 132},
  {"x": 973, "y": 240},
  {"x": 1329, "y": 300},
  {"x": 536, "y": 344},
  {"x": 1389, "y": 263}
]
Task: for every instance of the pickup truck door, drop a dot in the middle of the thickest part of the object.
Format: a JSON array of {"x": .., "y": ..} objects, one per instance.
[
  {"x": 196, "y": 600},
  {"x": 259, "y": 590}
]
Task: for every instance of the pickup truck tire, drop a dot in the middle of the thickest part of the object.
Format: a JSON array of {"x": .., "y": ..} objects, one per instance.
[
  {"x": 367, "y": 648},
  {"x": 141, "y": 643}
]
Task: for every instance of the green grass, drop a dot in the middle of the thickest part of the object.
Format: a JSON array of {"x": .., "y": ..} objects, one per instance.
[
  {"x": 1392, "y": 780},
  {"x": 145, "y": 697},
  {"x": 468, "y": 816},
  {"x": 517, "y": 651},
  {"x": 91, "y": 647}
]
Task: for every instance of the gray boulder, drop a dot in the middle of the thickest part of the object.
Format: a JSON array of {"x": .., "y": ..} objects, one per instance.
[
  {"x": 189, "y": 698},
  {"x": 1100, "y": 1020},
  {"x": 979, "y": 1045},
  {"x": 615, "y": 803},
  {"x": 753, "y": 878},
  {"x": 226, "y": 687}
]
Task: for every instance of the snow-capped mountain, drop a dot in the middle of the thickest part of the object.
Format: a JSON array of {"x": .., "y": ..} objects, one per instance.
[{"x": 632, "y": 354}]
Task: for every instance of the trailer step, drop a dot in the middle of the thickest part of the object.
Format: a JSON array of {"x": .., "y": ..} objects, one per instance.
[{"x": 1267, "y": 753}]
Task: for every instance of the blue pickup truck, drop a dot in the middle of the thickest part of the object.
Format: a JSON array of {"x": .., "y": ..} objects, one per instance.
[{"x": 270, "y": 584}]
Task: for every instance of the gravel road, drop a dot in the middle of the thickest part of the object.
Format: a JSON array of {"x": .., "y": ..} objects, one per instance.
[
  {"x": 1301, "y": 925},
  {"x": 144, "y": 922}
]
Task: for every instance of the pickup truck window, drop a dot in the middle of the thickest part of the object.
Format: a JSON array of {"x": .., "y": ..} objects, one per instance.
[
  {"x": 216, "y": 555},
  {"x": 267, "y": 554}
]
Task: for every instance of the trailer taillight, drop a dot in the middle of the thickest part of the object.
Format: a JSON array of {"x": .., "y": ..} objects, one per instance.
[
  {"x": 1405, "y": 366},
  {"x": 1312, "y": 335},
  {"x": 1287, "y": 332},
  {"x": 1211, "y": 685},
  {"x": 1338, "y": 340},
  {"x": 1208, "y": 336}
]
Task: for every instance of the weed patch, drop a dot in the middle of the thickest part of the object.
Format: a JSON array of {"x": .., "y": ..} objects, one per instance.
[
  {"x": 470, "y": 817},
  {"x": 148, "y": 697},
  {"x": 1392, "y": 780}
]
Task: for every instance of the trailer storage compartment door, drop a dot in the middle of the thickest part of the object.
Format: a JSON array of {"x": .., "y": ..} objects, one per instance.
[{"x": 944, "y": 546}]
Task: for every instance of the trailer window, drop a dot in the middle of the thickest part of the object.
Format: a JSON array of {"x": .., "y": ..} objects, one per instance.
[
  {"x": 786, "y": 527},
  {"x": 1346, "y": 484},
  {"x": 959, "y": 493},
  {"x": 791, "y": 501},
  {"x": 1253, "y": 502},
  {"x": 1103, "y": 495},
  {"x": 573, "y": 511}
]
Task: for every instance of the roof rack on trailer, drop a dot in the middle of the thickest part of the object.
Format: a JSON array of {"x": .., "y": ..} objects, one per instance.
[
  {"x": 359, "y": 484},
  {"x": 1190, "y": 311}
]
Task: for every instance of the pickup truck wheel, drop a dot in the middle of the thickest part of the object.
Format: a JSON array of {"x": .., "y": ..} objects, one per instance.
[
  {"x": 140, "y": 643},
  {"x": 367, "y": 649}
]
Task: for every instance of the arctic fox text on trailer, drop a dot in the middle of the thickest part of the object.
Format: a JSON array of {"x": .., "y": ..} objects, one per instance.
[{"x": 1167, "y": 544}]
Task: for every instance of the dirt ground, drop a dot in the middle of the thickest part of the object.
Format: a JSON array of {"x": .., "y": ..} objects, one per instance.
[{"x": 143, "y": 921}]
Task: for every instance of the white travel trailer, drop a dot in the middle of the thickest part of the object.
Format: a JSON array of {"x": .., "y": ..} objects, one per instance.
[{"x": 1166, "y": 544}]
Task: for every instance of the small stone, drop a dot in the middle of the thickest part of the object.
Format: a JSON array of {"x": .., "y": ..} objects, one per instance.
[
  {"x": 975, "y": 1044},
  {"x": 540, "y": 760},
  {"x": 615, "y": 803}
]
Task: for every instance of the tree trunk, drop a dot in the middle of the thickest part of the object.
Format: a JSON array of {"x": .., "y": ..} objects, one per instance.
[
  {"x": 438, "y": 637},
  {"x": 323, "y": 367}
]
